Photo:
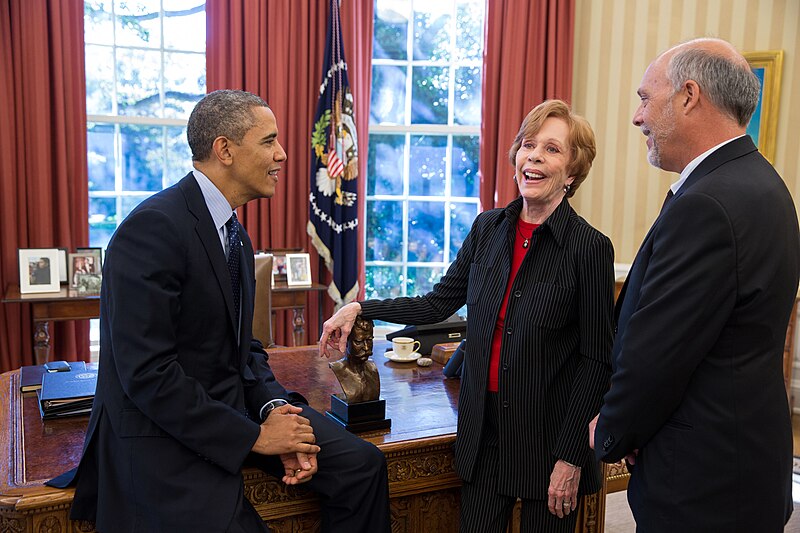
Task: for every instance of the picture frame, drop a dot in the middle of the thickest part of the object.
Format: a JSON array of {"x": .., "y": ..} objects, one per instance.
[
  {"x": 83, "y": 263},
  {"x": 94, "y": 249},
  {"x": 88, "y": 283},
  {"x": 298, "y": 269},
  {"x": 38, "y": 270},
  {"x": 62, "y": 265},
  {"x": 278, "y": 268},
  {"x": 279, "y": 262},
  {"x": 768, "y": 67}
]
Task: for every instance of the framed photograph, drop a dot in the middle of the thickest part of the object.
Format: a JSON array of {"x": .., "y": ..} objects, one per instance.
[
  {"x": 83, "y": 263},
  {"x": 763, "y": 127},
  {"x": 62, "y": 265},
  {"x": 278, "y": 268},
  {"x": 95, "y": 250},
  {"x": 38, "y": 270},
  {"x": 88, "y": 283},
  {"x": 298, "y": 269}
]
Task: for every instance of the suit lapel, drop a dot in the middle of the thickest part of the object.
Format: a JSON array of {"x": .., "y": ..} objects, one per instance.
[{"x": 209, "y": 237}]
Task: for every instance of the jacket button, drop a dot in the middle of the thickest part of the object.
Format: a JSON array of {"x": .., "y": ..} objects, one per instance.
[
  {"x": 517, "y": 294},
  {"x": 509, "y": 330},
  {"x": 505, "y": 404},
  {"x": 505, "y": 366}
]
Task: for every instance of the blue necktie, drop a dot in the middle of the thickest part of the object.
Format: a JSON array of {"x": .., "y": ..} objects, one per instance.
[{"x": 234, "y": 249}]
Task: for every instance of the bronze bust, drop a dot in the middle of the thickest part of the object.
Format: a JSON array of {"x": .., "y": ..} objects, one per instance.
[{"x": 356, "y": 373}]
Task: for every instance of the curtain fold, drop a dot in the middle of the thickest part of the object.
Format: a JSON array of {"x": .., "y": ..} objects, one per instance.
[
  {"x": 274, "y": 49},
  {"x": 43, "y": 173},
  {"x": 528, "y": 49}
]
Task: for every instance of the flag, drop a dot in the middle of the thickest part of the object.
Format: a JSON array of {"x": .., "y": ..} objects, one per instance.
[{"x": 333, "y": 212}]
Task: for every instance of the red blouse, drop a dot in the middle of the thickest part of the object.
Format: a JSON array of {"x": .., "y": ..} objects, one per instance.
[{"x": 524, "y": 231}]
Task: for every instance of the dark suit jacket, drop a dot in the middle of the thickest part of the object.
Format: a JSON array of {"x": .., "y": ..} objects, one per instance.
[
  {"x": 169, "y": 429},
  {"x": 555, "y": 356},
  {"x": 698, "y": 386}
]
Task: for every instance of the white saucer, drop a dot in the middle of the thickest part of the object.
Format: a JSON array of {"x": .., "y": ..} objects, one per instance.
[{"x": 391, "y": 356}]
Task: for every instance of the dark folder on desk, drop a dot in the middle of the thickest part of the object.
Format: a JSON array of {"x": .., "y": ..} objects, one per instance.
[
  {"x": 30, "y": 377},
  {"x": 67, "y": 393}
]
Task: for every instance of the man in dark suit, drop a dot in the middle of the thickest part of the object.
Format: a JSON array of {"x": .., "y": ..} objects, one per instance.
[
  {"x": 697, "y": 398},
  {"x": 184, "y": 394}
]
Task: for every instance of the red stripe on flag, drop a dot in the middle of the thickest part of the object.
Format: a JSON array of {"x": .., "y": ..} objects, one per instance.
[{"x": 335, "y": 165}]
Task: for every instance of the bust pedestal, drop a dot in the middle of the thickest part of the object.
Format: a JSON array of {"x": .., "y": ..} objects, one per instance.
[{"x": 358, "y": 417}]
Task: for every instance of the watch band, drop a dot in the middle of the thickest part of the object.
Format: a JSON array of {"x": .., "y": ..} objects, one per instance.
[{"x": 269, "y": 406}]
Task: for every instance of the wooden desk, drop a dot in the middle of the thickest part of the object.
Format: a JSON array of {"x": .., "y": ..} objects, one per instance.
[
  {"x": 294, "y": 298},
  {"x": 66, "y": 304},
  {"x": 423, "y": 487}
]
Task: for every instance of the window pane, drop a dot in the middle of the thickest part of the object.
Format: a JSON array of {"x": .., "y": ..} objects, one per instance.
[
  {"x": 431, "y": 30},
  {"x": 384, "y": 282},
  {"x": 387, "y": 105},
  {"x": 422, "y": 279},
  {"x": 467, "y": 102},
  {"x": 100, "y": 148},
  {"x": 390, "y": 31},
  {"x": 138, "y": 23},
  {"x": 99, "y": 79},
  {"x": 385, "y": 164},
  {"x": 128, "y": 204},
  {"x": 461, "y": 217},
  {"x": 185, "y": 25},
  {"x": 466, "y": 150},
  {"x": 142, "y": 156},
  {"x": 429, "y": 95},
  {"x": 384, "y": 230},
  {"x": 138, "y": 74},
  {"x": 102, "y": 220},
  {"x": 426, "y": 175},
  {"x": 98, "y": 27},
  {"x": 186, "y": 83},
  {"x": 179, "y": 156},
  {"x": 425, "y": 231},
  {"x": 469, "y": 30}
]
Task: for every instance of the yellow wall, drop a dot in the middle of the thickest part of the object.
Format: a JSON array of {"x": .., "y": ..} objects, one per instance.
[{"x": 615, "y": 40}]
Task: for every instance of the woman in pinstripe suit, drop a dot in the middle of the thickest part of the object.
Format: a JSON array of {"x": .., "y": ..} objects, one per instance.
[{"x": 538, "y": 283}]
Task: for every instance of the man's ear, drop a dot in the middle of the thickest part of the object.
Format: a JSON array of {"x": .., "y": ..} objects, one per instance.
[
  {"x": 222, "y": 150},
  {"x": 690, "y": 96}
]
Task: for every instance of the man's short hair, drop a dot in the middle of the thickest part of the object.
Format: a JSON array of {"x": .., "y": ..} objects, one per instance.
[
  {"x": 580, "y": 138},
  {"x": 224, "y": 113},
  {"x": 729, "y": 84}
]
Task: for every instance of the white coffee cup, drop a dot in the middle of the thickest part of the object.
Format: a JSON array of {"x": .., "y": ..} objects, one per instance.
[{"x": 405, "y": 346}]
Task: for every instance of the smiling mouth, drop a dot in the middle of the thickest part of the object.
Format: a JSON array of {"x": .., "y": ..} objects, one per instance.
[{"x": 533, "y": 176}]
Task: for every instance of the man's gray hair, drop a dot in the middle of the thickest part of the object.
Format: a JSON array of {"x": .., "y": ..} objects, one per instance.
[
  {"x": 224, "y": 113},
  {"x": 730, "y": 85}
]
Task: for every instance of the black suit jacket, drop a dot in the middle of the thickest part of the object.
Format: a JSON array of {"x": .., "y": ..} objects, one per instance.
[
  {"x": 698, "y": 386},
  {"x": 169, "y": 429},
  {"x": 555, "y": 356}
]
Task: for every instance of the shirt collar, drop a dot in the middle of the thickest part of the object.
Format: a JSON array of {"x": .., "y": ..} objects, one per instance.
[
  {"x": 216, "y": 202},
  {"x": 556, "y": 222},
  {"x": 694, "y": 163}
]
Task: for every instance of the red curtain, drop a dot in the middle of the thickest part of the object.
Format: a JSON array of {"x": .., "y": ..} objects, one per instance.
[
  {"x": 527, "y": 59},
  {"x": 274, "y": 49},
  {"x": 43, "y": 171}
]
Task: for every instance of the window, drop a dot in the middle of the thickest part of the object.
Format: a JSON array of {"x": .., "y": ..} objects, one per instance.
[
  {"x": 422, "y": 171},
  {"x": 145, "y": 70}
]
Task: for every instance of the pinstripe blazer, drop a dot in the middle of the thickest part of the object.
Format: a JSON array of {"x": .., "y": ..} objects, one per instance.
[{"x": 555, "y": 358}]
